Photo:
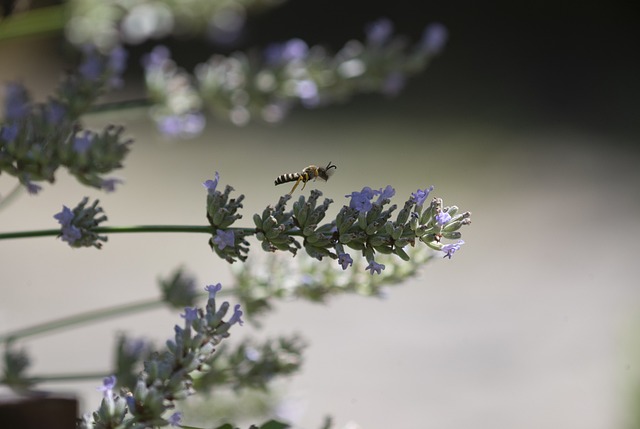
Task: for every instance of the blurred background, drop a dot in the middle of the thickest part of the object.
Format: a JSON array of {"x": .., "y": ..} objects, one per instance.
[{"x": 529, "y": 119}]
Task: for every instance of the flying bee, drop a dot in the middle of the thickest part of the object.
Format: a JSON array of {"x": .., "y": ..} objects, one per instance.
[{"x": 310, "y": 172}]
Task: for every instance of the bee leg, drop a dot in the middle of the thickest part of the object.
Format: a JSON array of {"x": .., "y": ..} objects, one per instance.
[{"x": 296, "y": 185}]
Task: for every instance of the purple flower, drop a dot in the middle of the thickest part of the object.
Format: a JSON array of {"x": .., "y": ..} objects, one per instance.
[
  {"x": 213, "y": 290},
  {"x": 118, "y": 60},
  {"x": 374, "y": 267},
  {"x": 420, "y": 196},
  {"x": 345, "y": 260},
  {"x": 434, "y": 38},
  {"x": 109, "y": 185},
  {"x": 307, "y": 90},
  {"x": 157, "y": 57},
  {"x": 55, "y": 112},
  {"x": 212, "y": 184},
  {"x": 190, "y": 314},
  {"x": 108, "y": 384},
  {"x": 82, "y": 144},
  {"x": 175, "y": 418},
  {"x": 361, "y": 201},
  {"x": 65, "y": 217},
  {"x": 294, "y": 49},
  {"x": 442, "y": 218},
  {"x": 224, "y": 239},
  {"x": 237, "y": 316},
  {"x": 185, "y": 125},
  {"x": 71, "y": 234},
  {"x": 450, "y": 249},
  {"x": 91, "y": 68},
  {"x": 385, "y": 194},
  {"x": 378, "y": 32},
  {"x": 32, "y": 188},
  {"x": 9, "y": 132},
  {"x": 16, "y": 102}
]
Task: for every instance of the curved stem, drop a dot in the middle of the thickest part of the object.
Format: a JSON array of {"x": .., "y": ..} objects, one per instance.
[
  {"x": 113, "y": 106},
  {"x": 32, "y": 22},
  {"x": 12, "y": 195}
]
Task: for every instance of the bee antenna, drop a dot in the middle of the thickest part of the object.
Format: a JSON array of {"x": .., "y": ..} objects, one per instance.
[{"x": 330, "y": 166}]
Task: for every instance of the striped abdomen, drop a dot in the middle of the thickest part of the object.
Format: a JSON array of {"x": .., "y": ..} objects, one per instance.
[{"x": 284, "y": 178}]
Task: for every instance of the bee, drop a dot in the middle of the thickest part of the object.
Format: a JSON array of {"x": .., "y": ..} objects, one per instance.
[{"x": 310, "y": 172}]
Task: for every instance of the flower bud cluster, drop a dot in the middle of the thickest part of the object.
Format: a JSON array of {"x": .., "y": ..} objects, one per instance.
[
  {"x": 37, "y": 138},
  {"x": 167, "y": 375},
  {"x": 253, "y": 365},
  {"x": 275, "y": 228},
  {"x": 241, "y": 87},
  {"x": 222, "y": 213},
  {"x": 306, "y": 216},
  {"x": 78, "y": 224},
  {"x": 365, "y": 225}
]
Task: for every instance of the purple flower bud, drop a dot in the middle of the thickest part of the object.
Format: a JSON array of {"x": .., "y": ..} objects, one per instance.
[
  {"x": 344, "y": 259},
  {"x": 378, "y": 32},
  {"x": 212, "y": 184},
  {"x": 237, "y": 316},
  {"x": 375, "y": 267},
  {"x": 450, "y": 249},
  {"x": 442, "y": 218},
  {"x": 213, "y": 290},
  {"x": 190, "y": 314},
  {"x": 175, "y": 419},
  {"x": 420, "y": 196},
  {"x": 108, "y": 384},
  {"x": 385, "y": 194},
  {"x": 16, "y": 102},
  {"x": 434, "y": 38},
  {"x": 224, "y": 239},
  {"x": 65, "y": 217}
]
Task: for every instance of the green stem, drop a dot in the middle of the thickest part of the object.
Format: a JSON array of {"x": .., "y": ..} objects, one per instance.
[
  {"x": 120, "y": 105},
  {"x": 37, "y": 379},
  {"x": 125, "y": 229},
  {"x": 80, "y": 319},
  {"x": 12, "y": 195},
  {"x": 33, "y": 22},
  {"x": 89, "y": 316}
]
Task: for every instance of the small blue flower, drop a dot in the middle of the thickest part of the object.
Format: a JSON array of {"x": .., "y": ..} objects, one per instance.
[
  {"x": 81, "y": 144},
  {"x": 9, "y": 132},
  {"x": 185, "y": 125},
  {"x": 361, "y": 201},
  {"x": 118, "y": 60},
  {"x": 32, "y": 188},
  {"x": 71, "y": 234},
  {"x": 224, "y": 239},
  {"x": 190, "y": 314},
  {"x": 55, "y": 112},
  {"x": 434, "y": 38},
  {"x": 156, "y": 58},
  {"x": 450, "y": 249},
  {"x": 175, "y": 419},
  {"x": 16, "y": 102},
  {"x": 237, "y": 316},
  {"x": 378, "y": 32},
  {"x": 442, "y": 218},
  {"x": 109, "y": 185},
  {"x": 213, "y": 290},
  {"x": 420, "y": 196},
  {"x": 91, "y": 68},
  {"x": 278, "y": 53},
  {"x": 385, "y": 194},
  {"x": 374, "y": 267},
  {"x": 65, "y": 217},
  {"x": 344, "y": 259},
  {"x": 212, "y": 184},
  {"x": 108, "y": 384}
]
